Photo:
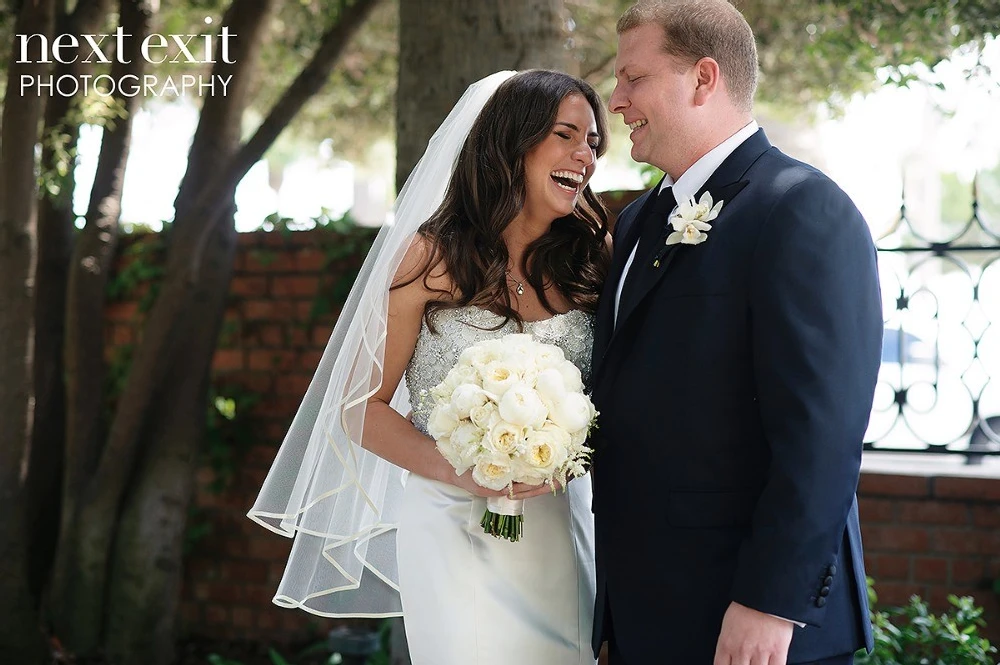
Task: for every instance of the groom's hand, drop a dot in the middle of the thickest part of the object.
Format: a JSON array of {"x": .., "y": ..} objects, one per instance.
[{"x": 749, "y": 637}]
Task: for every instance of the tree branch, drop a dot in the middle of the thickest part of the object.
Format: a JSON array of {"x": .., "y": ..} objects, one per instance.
[
  {"x": 214, "y": 197},
  {"x": 91, "y": 264}
]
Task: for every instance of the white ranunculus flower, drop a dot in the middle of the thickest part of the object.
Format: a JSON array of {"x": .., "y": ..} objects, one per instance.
[
  {"x": 550, "y": 386},
  {"x": 492, "y": 472},
  {"x": 522, "y": 406},
  {"x": 441, "y": 392},
  {"x": 467, "y": 435},
  {"x": 520, "y": 350},
  {"x": 467, "y": 442},
  {"x": 572, "y": 379},
  {"x": 579, "y": 437},
  {"x": 500, "y": 375},
  {"x": 450, "y": 453},
  {"x": 481, "y": 355},
  {"x": 572, "y": 412},
  {"x": 548, "y": 355},
  {"x": 483, "y": 415},
  {"x": 461, "y": 374},
  {"x": 442, "y": 421},
  {"x": 465, "y": 398},
  {"x": 547, "y": 449},
  {"x": 523, "y": 472},
  {"x": 504, "y": 438},
  {"x": 518, "y": 341}
]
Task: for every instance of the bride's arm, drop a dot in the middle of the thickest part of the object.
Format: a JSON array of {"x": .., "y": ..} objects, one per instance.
[{"x": 387, "y": 433}]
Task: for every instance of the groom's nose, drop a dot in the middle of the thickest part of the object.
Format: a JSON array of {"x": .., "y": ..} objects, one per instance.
[{"x": 617, "y": 102}]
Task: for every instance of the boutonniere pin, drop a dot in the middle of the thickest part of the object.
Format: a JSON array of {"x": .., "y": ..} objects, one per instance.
[{"x": 691, "y": 221}]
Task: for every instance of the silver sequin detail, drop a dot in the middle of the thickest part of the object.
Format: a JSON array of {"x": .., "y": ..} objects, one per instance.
[{"x": 458, "y": 329}]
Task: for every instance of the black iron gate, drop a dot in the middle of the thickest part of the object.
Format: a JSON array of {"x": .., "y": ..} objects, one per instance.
[{"x": 939, "y": 384}]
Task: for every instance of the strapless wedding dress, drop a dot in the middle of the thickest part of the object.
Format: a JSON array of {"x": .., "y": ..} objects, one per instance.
[{"x": 472, "y": 599}]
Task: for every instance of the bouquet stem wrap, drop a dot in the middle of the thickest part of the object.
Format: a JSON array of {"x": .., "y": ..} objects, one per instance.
[{"x": 504, "y": 518}]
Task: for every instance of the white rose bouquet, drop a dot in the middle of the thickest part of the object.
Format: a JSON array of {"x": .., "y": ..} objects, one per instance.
[{"x": 512, "y": 410}]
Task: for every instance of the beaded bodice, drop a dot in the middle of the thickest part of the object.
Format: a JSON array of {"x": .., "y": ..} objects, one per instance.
[{"x": 457, "y": 329}]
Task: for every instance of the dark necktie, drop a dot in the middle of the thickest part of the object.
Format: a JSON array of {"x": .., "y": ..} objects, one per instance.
[{"x": 652, "y": 234}]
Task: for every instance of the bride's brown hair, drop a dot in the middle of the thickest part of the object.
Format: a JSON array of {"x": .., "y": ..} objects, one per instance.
[{"x": 487, "y": 191}]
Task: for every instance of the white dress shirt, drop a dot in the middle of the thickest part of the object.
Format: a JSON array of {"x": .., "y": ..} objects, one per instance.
[{"x": 691, "y": 181}]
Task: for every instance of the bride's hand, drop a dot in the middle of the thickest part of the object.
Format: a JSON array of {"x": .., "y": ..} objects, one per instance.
[
  {"x": 466, "y": 482},
  {"x": 526, "y": 491}
]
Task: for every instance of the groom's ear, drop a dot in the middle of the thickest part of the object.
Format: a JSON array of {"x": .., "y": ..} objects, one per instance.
[{"x": 708, "y": 80}]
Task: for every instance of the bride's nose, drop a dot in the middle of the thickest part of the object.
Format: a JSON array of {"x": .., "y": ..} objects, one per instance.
[{"x": 584, "y": 154}]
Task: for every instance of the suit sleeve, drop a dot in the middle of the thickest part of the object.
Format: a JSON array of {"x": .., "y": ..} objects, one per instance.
[{"x": 816, "y": 325}]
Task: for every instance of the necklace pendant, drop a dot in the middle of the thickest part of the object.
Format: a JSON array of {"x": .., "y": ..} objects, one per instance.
[{"x": 520, "y": 289}]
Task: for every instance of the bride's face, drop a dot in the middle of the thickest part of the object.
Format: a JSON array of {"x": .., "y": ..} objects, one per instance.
[{"x": 558, "y": 169}]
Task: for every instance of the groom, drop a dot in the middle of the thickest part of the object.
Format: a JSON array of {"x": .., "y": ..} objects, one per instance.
[{"x": 734, "y": 367}]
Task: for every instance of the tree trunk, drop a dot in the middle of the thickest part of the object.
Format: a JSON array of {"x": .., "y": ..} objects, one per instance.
[
  {"x": 55, "y": 247},
  {"x": 83, "y": 346},
  {"x": 90, "y": 266},
  {"x": 448, "y": 44},
  {"x": 148, "y": 549},
  {"x": 146, "y": 573},
  {"x": 85, "y": 578},
  {"x": 20, "y": 637},
  {"x": 163, "y": 403},
  {"x": 144, "y": 585}
]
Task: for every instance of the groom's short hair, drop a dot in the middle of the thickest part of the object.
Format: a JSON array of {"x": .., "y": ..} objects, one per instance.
[{"x": 695, "y": 29}]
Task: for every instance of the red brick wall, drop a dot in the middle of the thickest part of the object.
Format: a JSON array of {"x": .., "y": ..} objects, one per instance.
[
  {"x": 926, "y": 535},
  {"x": 933, "y": 536}
]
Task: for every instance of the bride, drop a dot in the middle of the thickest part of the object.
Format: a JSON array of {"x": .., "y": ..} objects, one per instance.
[{"x": 496, "y": 231}]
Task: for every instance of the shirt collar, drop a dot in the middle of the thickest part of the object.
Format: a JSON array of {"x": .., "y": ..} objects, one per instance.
[{"x": 698, "y": 173}]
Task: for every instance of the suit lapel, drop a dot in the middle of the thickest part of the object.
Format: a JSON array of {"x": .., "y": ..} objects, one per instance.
[
  {"x": 725, "y": 183},
  {"x": 627, "y": 227}
]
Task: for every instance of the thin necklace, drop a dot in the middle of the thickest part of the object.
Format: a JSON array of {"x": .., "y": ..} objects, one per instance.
[{"x": 519, "y": 286}]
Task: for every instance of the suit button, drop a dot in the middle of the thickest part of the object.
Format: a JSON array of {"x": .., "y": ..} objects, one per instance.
[
  {"x": 820, "y": 602},
  {"x": 832, "y": 570},
  {"x": 828, "y": 581},
  {"x": 825, "y": 591}
]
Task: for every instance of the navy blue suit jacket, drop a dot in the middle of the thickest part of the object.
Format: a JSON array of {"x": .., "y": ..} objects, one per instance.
[{"x": 734, "y": 394}]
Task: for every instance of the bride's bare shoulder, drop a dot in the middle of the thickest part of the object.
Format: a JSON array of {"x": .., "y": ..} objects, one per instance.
[{"x": 423, "y": 270}]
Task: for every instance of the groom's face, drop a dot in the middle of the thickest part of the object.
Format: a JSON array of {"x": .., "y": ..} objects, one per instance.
[{"x": 653, "y": 93}]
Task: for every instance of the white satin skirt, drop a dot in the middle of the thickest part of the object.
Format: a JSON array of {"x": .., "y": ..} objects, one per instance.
[{"x": 472, "y": 599}]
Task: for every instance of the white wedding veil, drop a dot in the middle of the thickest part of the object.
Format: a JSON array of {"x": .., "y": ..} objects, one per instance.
[{"x": 339, "y": 502}]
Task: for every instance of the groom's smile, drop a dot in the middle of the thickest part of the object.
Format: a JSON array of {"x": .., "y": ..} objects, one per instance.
[{"x": 653, "y": 91}]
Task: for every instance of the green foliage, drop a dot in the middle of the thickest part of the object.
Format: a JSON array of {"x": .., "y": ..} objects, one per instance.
[
  {"x": 315, "y": 654},
  {"x": 384, "y": 655},
  {"x": 54, "y": 178},
  {"x": 228, "y": 431},
  {"x": 343, "y": 252},
  {"x": 216, "y": 659},
  {"x": 650, "y": 175},
  {"x": 913, "y": 635},
  {"x": 356, "y": 106},
  {"x": 141, "y": 272},
  {"x": 115, "y": 376},
  {"x": 344, "y": 246}
]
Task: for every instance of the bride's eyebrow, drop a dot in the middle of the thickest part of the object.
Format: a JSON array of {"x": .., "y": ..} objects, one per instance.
[{"x": 576, "y": 129}]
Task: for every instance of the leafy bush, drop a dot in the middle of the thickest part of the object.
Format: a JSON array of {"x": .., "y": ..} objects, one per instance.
[{"x": 912, "y": 635}]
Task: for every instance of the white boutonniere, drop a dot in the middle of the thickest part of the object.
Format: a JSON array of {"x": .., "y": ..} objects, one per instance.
[{"x": 691, "y": 221}]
